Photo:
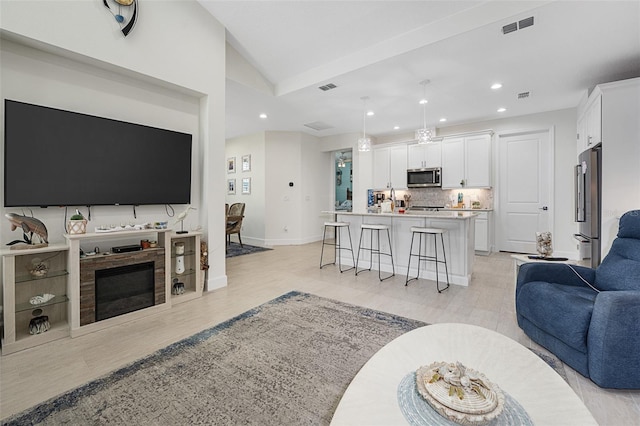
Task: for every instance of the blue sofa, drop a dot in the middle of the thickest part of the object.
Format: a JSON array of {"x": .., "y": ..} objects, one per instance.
[{"x": 595, "y": 330}]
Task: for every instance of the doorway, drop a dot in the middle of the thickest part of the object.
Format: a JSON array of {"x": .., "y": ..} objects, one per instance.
[
  {"x": 344, "y": 180},
  {"x": 526, "y": 192}
]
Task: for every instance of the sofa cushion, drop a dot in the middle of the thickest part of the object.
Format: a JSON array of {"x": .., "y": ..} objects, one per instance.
[
  {"x": 559, "y": 310},
  {"x": 620, "y": 269}
]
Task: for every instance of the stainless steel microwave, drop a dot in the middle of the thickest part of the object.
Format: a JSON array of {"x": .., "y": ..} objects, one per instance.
[{"x": 424, "y": 178}]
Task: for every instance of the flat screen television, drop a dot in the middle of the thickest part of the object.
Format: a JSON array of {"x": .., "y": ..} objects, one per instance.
[{"x": 54, "y": 157}]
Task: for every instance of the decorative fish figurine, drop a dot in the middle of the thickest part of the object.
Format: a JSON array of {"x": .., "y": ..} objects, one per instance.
[{"x": 29, "y": 226}]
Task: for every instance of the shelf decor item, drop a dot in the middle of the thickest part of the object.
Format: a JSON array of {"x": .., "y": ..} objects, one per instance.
[
  {"x": 177, "y": 288},
  {"x": 41, "y": 298},
  {"x": 181, "y": 217},
  {"x": 179, "y": 258},
  {"x": 77, "y": 224},
  {"x": 29, "y": 226},
  {"x": 40, "y": 323},
  {"x": 460, "y": 394},
  {"x": 39, "y": 268}
]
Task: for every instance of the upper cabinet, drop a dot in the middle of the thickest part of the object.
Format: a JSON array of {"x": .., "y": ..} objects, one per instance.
[
  {"x": 390, "y": 167},
  {"x": 420, "y": 156},
  {"x": 590, "y": 122},
  {"x": 466, "y": 162}
]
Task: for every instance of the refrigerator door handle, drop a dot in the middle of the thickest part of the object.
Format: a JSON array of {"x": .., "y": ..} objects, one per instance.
[{"x": 579, "y": 194}]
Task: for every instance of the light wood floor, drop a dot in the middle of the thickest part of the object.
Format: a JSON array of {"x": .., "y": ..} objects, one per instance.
[{"x": 36, "y": 374}]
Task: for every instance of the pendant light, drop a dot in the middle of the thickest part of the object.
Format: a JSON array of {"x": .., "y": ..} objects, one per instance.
[
  {"x": 364, "y": 143},
  {"x": 424, "y": 135},
  {"x": 341, "y": 162}
]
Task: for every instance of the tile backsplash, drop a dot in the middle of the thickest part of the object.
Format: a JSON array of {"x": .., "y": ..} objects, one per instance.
[{"x": 440, "y": 197}]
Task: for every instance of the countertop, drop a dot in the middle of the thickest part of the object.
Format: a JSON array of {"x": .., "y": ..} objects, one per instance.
[
  {"x": 467, "y": 210},
  {"x": 435, "y": 215}
]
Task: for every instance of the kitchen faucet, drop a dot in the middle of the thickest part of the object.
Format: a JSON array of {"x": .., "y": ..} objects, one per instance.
[{"x": 392, "y": 195}]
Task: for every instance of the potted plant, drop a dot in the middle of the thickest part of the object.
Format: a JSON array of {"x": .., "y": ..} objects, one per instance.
[{"x": 77, "y": 224}]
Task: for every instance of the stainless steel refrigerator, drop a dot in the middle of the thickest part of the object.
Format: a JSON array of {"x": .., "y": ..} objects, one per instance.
[{"x": 588, "y": 178}]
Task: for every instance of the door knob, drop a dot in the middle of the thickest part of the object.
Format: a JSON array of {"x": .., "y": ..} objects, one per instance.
[{"x": 545, "y": 208}]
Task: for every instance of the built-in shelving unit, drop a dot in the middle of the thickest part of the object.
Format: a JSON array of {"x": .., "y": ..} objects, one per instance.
[
  {"x": 20, "y": 286},
  {"x": 191, "y": 277},
  {"x": 64, "y": 279}
]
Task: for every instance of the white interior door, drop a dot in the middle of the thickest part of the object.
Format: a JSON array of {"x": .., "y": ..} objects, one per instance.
[{"x": 525, "y": 164}]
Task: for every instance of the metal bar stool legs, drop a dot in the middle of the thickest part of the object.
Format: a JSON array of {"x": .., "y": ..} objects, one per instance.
[
  {"x": 337, "y": 246},
  {"x": 376, "y": 250},
  {"x": 424, "y": 257}
]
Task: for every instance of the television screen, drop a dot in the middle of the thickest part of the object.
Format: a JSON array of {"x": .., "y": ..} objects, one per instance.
[{"x": 62, "y": 158}]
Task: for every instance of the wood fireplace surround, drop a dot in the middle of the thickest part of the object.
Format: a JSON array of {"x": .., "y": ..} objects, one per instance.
[{"x": 89, "y": 266}]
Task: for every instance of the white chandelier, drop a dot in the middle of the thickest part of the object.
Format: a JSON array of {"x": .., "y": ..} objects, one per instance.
[
  {"x": 424, "y": 135},
  {"x": 364, "y": 143}
]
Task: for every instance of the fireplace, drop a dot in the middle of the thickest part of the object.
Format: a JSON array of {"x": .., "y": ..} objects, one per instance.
[
  {"x": 124, "y": 289},
  {"x": 125, "y": 274}
]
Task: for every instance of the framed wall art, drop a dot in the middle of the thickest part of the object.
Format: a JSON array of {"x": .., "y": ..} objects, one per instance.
[
  {"x": 246, "y": 185},
  {"x": 246, "y": 163},
  {"x": 231, "y": 186},
  {"x": 231, "y": 165}
]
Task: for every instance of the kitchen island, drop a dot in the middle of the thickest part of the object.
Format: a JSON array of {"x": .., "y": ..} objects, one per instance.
[{"x": 459, "y": 241}]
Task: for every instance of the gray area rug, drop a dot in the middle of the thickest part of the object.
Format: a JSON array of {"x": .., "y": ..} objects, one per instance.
[
  {"x": 286, "y": 362},
  {"x": 234, "y": 249}
]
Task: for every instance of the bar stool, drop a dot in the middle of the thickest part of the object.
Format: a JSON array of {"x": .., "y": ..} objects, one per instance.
[
  {"x": 428, "y": 231},
  {"x": 337, "y": 226},
  {"x": 377, "y": 228}
]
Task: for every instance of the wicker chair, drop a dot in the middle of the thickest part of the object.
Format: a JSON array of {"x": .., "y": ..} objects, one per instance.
[{"x": 235, "y": 214}]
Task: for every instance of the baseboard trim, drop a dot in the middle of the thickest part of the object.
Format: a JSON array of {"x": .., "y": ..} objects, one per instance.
[{"x": 216, "y": 283}]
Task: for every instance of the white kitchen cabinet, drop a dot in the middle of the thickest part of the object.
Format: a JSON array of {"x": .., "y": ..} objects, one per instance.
[
  {"x": 466, "y": 162},
  {"x": 590, "y": 122},
  {"x": 420, "y": 156},
  {"x": 390, "y": 167},
  {"x": 483, "y": 228}
]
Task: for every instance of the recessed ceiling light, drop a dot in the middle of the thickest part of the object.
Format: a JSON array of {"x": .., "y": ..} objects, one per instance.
[
  {"x": 263, "y": 115},
  {"x": 496, "y": 86},
  {"x": 370, "y": 113},
  {"x": 442, "y": 120},
  {"x": 502, "y": 109},
  {"x": 396, "y": 127},
  {"x": 423, "y": 101}
]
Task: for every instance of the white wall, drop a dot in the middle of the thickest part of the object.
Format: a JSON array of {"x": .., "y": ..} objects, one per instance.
[
  {"x": 169, "y": 72},
  {"x": 253, "y": 228},
  {"x": 620, "y": 155},
  {"x": 276, "y": 213}
]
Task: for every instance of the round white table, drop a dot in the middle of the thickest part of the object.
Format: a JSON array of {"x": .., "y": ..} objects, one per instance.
[{"x": 372, "y": 399}]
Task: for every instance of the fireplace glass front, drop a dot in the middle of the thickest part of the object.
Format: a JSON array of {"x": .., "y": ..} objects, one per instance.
[{"x": 124, "y": 289}]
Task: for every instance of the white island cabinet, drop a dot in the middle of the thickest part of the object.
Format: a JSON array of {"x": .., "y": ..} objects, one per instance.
[{"x": 459, "y": 242}]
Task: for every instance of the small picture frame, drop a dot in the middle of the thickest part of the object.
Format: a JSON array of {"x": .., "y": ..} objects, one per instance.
[
  {"x": 246, "y": 163},
  {"x": 231, "y": 186},
  {"x": 246, "y": 185},
  {"x": 231, "y": 165}
]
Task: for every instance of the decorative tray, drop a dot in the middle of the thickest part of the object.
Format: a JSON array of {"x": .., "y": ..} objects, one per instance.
[{"x": 459, "y": 394}]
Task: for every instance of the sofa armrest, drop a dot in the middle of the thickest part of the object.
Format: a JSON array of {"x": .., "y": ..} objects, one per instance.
[
  {"x": 559, "y": 273},
  {"x": 614, "y": 340}
]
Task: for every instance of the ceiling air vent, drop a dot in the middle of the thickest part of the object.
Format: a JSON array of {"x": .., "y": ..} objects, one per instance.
[
  {"x": 327, "y": 87},
  {"x": 524, "y": 95},
  {"x": 515, "y": 26},
  {"x": 527, "y": 22},
  {"x": 509, "y": 28},
  {"x": 318, "y": 125}
]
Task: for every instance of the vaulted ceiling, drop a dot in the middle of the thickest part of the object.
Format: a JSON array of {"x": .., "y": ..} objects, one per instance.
[{"x": 383, "y": 50}]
